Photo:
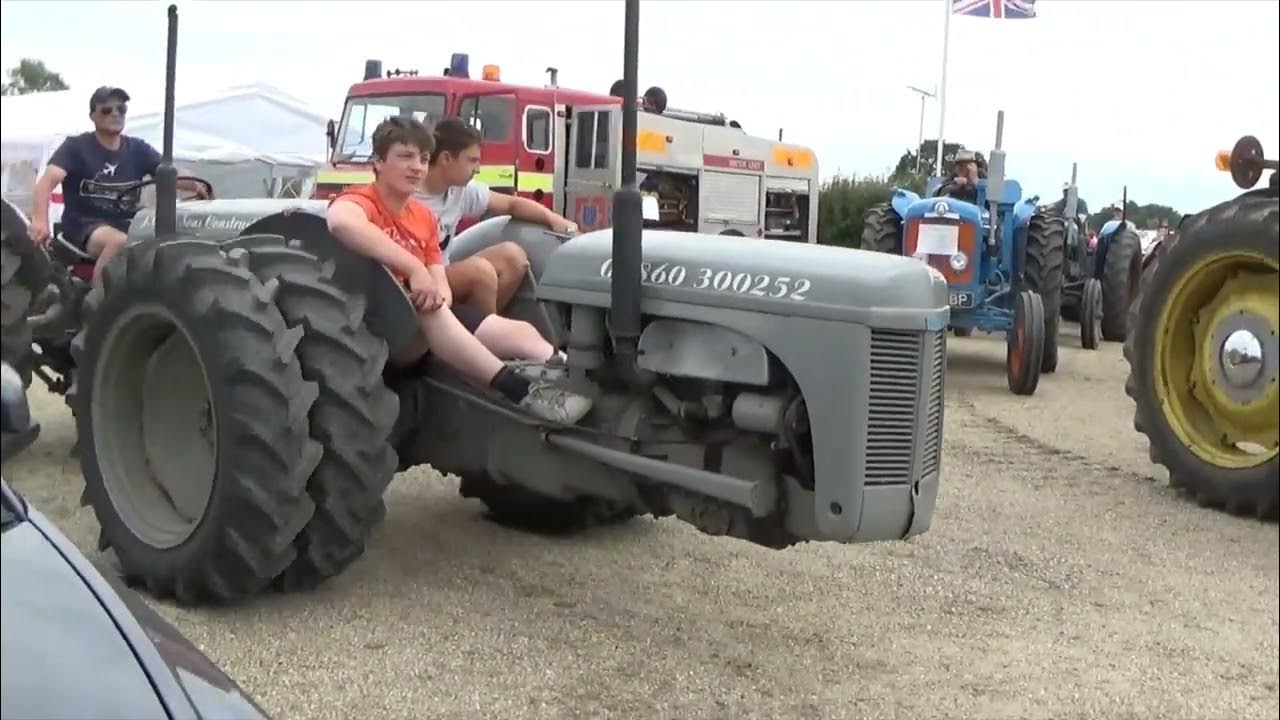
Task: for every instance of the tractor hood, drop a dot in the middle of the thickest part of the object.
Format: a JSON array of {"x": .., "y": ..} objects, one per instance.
[
  {"x": 219, "y": 219},
  {"x": 767, "y": 276}
]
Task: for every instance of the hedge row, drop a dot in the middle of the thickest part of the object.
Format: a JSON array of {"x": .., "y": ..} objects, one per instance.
[{"x": 844, "y": 203}]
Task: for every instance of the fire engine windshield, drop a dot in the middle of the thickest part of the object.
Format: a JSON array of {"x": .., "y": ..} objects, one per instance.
[{"x": 362, "y": 115}]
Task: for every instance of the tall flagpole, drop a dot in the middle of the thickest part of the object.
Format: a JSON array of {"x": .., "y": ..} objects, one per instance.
[{"x": 942, "y": 96}]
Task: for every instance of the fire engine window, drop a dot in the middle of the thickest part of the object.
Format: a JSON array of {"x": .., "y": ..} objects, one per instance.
[
  {"x": 364, "y": 113},
  {"x": 490, "y": 114},
  {"x": 586, "y": 122},
  {"x": 537, "y": 129},
  {"x": 602, "y": 141}
]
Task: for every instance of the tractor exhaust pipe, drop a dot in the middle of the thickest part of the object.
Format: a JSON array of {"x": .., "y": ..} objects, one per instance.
[
  {"x": 166, "y": 173},
  {"x": 627, "y": 214}
]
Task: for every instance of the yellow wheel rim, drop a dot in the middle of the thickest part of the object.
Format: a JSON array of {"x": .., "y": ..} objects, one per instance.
[{"x": 1216, "y": 359}]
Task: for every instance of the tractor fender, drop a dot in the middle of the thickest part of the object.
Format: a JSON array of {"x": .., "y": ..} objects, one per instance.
[
  {"x": 388, "y": 312},
  {"x": 1023, "y": 211},
  {"x": 537, "y": 241},
  {"x": 901, "y": 199},
  {"x": 684, "y": 348}
]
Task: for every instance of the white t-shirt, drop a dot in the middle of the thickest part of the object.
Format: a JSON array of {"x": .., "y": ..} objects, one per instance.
[{"x": 470, "y": 200}]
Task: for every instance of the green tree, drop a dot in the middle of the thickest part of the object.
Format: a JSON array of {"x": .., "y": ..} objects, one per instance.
[
  {"x": 1145, "y": 217},
  {"x": 907, "y": 163},
  {"x": 31, "y": 76}
]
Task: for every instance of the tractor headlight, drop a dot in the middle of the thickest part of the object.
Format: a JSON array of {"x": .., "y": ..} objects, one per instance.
[{"x": 959, "y": 262}]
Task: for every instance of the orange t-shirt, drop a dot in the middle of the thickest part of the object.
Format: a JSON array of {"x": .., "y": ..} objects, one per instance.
[{"x": 414, "y": 229}]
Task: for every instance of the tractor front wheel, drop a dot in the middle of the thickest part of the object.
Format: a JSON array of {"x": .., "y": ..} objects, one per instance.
[
  {"x": 1025, "y": 352},
  {"x": 1091, "y": 314},
  {"x": 1204, "y": 357}
]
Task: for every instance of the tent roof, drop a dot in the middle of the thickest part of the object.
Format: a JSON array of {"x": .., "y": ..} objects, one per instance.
[{"x": 245, "y": 122}]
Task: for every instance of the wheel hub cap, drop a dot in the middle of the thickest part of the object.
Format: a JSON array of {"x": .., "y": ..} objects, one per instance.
[{"x": 1241, "y": 358}]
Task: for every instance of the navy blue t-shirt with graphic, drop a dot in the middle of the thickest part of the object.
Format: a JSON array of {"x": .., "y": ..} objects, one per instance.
[{"x": 94, "y": 177}]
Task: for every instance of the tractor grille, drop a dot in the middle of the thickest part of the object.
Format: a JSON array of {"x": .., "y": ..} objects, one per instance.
[
  {"x": 903, "y": 364},
  {"x": 931, "y": 443}
]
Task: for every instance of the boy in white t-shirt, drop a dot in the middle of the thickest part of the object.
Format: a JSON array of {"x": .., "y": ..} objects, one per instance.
[{"x": 489, "y": 279}]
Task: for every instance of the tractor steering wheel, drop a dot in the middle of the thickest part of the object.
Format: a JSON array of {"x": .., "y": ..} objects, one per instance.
[{"x": 128, "y": 197}]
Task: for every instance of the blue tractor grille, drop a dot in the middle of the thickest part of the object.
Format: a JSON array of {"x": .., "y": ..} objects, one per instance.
[{"x": 904, "y": 408}]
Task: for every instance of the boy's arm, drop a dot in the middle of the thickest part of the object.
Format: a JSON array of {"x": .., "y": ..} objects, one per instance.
[
  {"x": 349, "y": 224},
  {"x": 435, "y": 257},
  {"x": 525, "y": 209}
]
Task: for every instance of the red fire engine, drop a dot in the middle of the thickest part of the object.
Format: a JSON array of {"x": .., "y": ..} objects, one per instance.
[{"x": 561, "y": 147}]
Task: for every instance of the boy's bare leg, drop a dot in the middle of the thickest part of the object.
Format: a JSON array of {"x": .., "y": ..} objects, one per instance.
[
  {"x": 452, "y": 343},
  {"x": 474, "y": 281},
  {"x": 513, "y": 339},
  {"x": 511, "y": 265},
  {"x": 450, "y": 340}
]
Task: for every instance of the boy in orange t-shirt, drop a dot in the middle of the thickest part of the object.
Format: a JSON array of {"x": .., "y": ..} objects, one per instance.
[{"x": 383, "y": 221}]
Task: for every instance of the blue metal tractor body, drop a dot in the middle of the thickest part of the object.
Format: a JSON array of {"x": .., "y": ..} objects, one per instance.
[{"x": 982, "y": 299}]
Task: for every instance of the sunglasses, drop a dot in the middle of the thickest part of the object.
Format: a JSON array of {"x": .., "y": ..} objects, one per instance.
[{"x": 107, "y": 110}]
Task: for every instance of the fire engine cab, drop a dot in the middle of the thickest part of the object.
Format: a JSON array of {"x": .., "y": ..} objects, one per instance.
[{"x": 562, "y": 148}]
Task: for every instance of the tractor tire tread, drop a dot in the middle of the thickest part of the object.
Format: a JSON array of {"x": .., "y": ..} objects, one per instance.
[
  {"x": 882, "y": 230},
  {"x": 1123, "y": 250},
  {"x": 351, "y": 419},
  {"x": 1251, "y": 492},
  {"x": 1043, "y": 275},
  {"x": 261, "y": 402}
]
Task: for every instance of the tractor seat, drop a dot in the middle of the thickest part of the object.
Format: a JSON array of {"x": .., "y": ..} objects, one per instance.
[{"x": 78, "y": 261}]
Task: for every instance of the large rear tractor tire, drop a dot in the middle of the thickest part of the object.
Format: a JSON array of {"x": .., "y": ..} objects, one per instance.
[
  {"x": 192, "y": 414},
  {"x": 882, "y": 230},
  {"x": 24, "y": 274},
  {"x": 1042, "y": 274},
  {"x": 352, "y": 417},
  {"x": 1121, "y": 276},
  {"x": 1203, "y": 356},
  {"x": 525, "y": 509}
]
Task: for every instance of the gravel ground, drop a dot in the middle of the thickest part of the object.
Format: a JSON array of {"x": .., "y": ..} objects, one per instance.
[{"x": 1062, "y": 578}]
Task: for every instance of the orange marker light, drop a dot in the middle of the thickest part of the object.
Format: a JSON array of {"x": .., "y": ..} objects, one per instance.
[
  {"x": 1223, "y": 160},
  {"x": 491, "y": 73}
]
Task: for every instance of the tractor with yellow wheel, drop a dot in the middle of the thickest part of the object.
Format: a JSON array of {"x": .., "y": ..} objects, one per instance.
[{"x": 1203, "y": 350}]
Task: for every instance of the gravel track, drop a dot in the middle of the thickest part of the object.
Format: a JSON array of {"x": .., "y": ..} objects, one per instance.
[{"x": 1061, "y": 579}]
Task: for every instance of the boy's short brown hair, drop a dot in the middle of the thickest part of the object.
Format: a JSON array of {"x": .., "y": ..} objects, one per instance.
[
  {"x": 453, "y": 136},
  {"x": 402, "y": 130}
]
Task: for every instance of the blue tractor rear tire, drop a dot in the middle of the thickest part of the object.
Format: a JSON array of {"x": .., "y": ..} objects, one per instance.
[
  {"x": 882, "y": 230},
  {"x": 1042, "y": 273}
]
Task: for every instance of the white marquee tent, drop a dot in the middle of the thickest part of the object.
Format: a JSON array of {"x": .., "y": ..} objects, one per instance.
[{"x": 249, "y": 141}]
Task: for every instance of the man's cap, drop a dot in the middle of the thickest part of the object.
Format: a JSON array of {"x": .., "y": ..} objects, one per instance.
[
  {"x": 105, "y": 93},
  {"x": 965, "y": 156}
]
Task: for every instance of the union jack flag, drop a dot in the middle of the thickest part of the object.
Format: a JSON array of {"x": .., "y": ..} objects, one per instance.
[{"x": 999, "y": 9}]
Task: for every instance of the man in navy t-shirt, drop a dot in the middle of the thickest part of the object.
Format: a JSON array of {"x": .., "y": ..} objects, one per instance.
[{"x": 92, "y": 168}]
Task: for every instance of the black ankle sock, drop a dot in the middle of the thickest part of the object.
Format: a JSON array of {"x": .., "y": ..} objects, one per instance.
[{"x": 511, "y": 384}]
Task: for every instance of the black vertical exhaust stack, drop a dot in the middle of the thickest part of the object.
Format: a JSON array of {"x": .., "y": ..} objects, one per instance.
[
  {"x": 627, "y": 213},
  {"x": 166, "y": 173}
]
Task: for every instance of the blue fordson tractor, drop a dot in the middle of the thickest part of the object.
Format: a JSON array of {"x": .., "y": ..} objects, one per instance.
[{"x": 1003, "y": 260}]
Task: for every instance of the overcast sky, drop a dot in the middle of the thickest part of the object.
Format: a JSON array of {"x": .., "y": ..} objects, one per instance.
[{"x": 1139, "y": 93}]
